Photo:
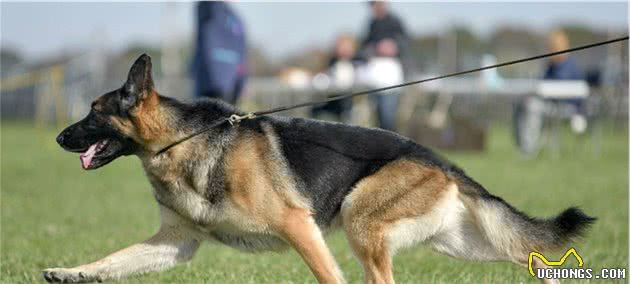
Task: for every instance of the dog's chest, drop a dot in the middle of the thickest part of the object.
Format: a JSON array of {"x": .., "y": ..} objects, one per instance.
[
  {"x": 186, "y": 189},
  {"x": 220, "y": 220}
]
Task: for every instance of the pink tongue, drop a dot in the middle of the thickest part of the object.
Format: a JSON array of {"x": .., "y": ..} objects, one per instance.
[{"x": 86, "y": 158}]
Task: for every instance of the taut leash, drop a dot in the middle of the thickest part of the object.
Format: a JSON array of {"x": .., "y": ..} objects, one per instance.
[{"x": 235, "y": 119}]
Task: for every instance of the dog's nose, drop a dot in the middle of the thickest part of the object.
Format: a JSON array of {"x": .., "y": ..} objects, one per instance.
[{"x": 61, "y": 137}]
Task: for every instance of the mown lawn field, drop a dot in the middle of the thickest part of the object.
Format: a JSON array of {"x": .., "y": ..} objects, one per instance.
[{"x": 54, "y": 214}]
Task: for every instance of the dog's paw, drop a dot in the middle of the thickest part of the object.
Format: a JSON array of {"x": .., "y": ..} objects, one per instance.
[{"x": 67, "y": 275}]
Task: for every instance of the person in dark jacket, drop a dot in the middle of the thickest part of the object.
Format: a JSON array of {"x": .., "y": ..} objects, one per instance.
[
  {"x": 566, "y": 69},
  {"x": 384, "y": 25},
  {"x": 563, "y": 67},
  {"x": 220, "y": 62},
  {"x": 386, "y": 38}
]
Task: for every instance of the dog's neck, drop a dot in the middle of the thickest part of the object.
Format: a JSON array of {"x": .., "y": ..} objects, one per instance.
[
  {"x": 177, "y": 121},
  {"x": 167, "y": 121}
]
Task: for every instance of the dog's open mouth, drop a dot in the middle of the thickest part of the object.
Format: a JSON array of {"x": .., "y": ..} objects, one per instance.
[{"x": 94, "y": 149}]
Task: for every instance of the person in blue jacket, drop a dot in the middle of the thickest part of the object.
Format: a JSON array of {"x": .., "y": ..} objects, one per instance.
[
  {"x": 563, "y": 67},
  {"x": 529, "y": 112},
  {"x": 220, "y": 61}
]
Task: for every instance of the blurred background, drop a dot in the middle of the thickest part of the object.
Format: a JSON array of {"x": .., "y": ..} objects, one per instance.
[
  {"x": 57, "y": 57},
  {"x": 544, "y": 135}
]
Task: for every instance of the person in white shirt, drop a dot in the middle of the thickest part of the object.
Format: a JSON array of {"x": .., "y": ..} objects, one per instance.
[{"x": 342, "y": 74}]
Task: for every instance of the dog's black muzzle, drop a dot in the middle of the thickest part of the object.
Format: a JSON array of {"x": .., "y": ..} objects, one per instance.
[{"x": 98, "y": 144}]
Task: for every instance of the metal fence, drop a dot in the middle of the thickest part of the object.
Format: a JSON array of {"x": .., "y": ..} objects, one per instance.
[{"x": 63, "y": 92}]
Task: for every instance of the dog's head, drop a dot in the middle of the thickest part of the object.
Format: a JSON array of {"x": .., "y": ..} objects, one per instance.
[{"x": 119, "y": 122}]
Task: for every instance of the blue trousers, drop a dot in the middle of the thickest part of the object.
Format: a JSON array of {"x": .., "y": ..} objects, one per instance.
[{"x": 386, "y": 107}]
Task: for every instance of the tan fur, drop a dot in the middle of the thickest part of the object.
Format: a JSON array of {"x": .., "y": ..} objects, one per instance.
[
  {"x": 249, "y": 187},
  {"x": 261, "y": 189},
  {"x": 149, "y": 123},
  {"x": 402, "y": 189},
  {"x": 125, "y": 126},
  {"x": 149, "y": 119},
  {"x": 412, "y": 187},
  {"x": 259, "y": 180},
  {"x": 300, "y": 230}
]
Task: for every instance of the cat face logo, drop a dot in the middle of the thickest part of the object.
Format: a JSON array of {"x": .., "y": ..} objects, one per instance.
[{"x": 571, "y": 251}]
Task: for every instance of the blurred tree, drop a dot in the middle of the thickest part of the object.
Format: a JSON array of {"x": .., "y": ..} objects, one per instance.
[
  {"x": 510, "y": 43},
  {"x": 259, "y": 64},
  {"x": 424, "y": 50},
  {"x": 469, "y": 48},
  {"x": 580, "y": 35},
  {"x": 9, "y": 58},
  {"x": 312, "y": 59}
]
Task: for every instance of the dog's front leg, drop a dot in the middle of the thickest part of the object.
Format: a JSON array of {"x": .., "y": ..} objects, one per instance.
[
  {"x": 300, "y": 230},
  {"x": 165, "y": 249},
  {"x": 171, "y": 245}
]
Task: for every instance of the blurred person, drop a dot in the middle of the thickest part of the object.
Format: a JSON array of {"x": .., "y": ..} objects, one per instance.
[
  {"x": 529, "y": 113},
  {"x": 383, "y": 47},
  {"x": 341, "y": 69},
  {"x": 383, "y": 25},
  {"x": 220, "y": 63},
  {"x": 561, "y": 66}
]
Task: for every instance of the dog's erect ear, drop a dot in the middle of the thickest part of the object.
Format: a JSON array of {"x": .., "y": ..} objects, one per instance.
[{"x": 139, "y": 83}]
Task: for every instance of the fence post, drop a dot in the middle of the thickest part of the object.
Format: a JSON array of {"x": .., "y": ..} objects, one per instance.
[{"x": 57, "y": 76}]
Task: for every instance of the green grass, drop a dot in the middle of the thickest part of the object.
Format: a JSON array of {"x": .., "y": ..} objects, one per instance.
[{"x": 56, "y": 215}]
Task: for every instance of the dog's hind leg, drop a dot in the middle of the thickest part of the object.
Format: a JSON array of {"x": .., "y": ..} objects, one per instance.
[
  {"x": 395, "y": 207},
  {"x": 172, "y": 244},
  {"x": 538, "y": 264},
  {"x": 373, "y": 254}
]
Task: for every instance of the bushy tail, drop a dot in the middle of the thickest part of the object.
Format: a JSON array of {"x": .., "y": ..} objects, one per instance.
[
  {"x": 569, "y": 224},
  {"x": 509, "y": 229}
]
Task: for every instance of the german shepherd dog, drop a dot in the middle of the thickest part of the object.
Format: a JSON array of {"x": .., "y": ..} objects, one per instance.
[{"x": 272, "y": 182}]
